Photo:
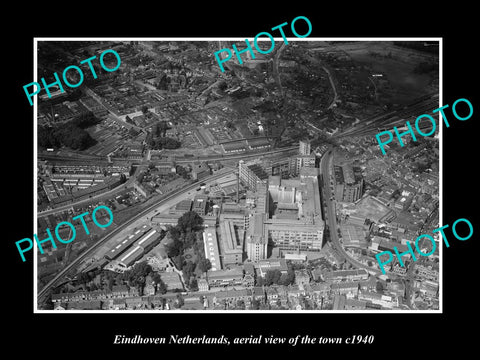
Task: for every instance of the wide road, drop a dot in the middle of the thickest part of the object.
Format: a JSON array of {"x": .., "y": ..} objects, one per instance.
[
  {"x": 171, "y": 198},
  {"x": 331, "y": 215}
]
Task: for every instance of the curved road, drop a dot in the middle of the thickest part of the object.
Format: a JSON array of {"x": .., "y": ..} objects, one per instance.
[
  {"x": 331, "y": 215},
  {"x": 335, "y": 97}
]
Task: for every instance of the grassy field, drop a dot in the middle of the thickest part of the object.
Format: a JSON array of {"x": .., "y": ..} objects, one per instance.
[{"x": 398, "y": 68}]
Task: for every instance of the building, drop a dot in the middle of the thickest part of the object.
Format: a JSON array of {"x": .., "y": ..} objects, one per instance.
[
  {"x": 290, "y": 235},
  {"x": 281, "y": 166},
  {"x": 131, "y": 257},
  {"x": 85, "y": 193},
  {"x": 203, "y": 285},
  {"x": 259, "y": 144},
  {"x": 302, "y": 278},
  {"x": 258, "y": 201},
  {"x": 211, "y": 248},
  {"x": 262, "y": 266},
  {"x": 252, "y": 173},
  {"x": 349, "y": 288},
  {"x": 346, "y": 275},
  {"x": 354, "y": 304},
  {"x": 232, "y": 245},
  {"x": 304, "y": 147},
  {"x": 297, "y": 222},
  {"x": 257, "y": 237},
  {"x": 141, "y": 189},
  {"x": 119, "y": 248},
  {"x": 385, "y": 301},
  {"x": 235, "y": 146},
  {"x": 353, "y": 236},
  {"x": 302, "y": 161},
  {"x": 231, "y": 297},
  {"x": 200, "y": 170},
  {"x": 222, "y": 278},
  {"x": 149, "y": 241},
  {"x": 182, "y": 207},
  {"x": 165, "y": 219},
  {"x": 348, "y": 183},
  {"x": 200, "y": 203},
  {"x": 166, "y": 167}
]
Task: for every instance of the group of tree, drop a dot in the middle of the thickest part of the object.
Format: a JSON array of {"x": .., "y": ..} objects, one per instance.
[
  {"x": 71, "y": 134},
  {"x": 184, "y": 234},
  {"x": 179, "y": 301},
  {"x": 157, "y": 139},
  {"x": 84, "y": 278},
  {"x": 276, "y": 277},
  {"x": 258, "y": 305},
  {"x": 137, "y": 275},
  {"x": 161, "y": 287}
]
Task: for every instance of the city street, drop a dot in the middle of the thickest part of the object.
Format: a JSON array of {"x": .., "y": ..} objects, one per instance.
[{"x": 325, "y": 164}]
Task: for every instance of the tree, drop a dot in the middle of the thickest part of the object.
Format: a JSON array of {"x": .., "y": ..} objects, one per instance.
[
  {"x": 272, "y": 277},
  {"x": 255, "y": 305},
  {"x": 174, "y": 248},
  {"x": 190, "y": 239},
  {"x": 156, "y": 278},
  {"x": 240, "y": 304},
  {"x": 193, "y": 284},
  {"x": 178, "y": 260},
  {"x": 144, "y": 109},
  {"x": 161, "y": 287},
  {"x": 379, "y": 286},
  {"x": 111, "y": 281},
  {"x": 188, "y": 269},
  {"x": 83, "y": 278},
  {"x": 204, "y": 265},
  {"x": 179, "y": 302},
  {"x": 190, "y": 221},
  {"x": 287, "y": 279}
]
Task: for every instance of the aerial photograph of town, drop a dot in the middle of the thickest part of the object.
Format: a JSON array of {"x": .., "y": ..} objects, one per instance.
[{"x": 261, "y": 187}]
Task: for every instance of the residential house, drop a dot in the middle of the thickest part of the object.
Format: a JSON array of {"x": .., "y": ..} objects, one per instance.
[
  {"x": 302, "y": 278},
  {"x": 349, "y": 288},
  {"x": 272, "y": 295},
  {"x": 203, "y": 285}
]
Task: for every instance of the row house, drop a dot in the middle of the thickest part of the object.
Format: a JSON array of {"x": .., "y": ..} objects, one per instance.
[
  {"x": 349, "y": 288},
  {"x": 231, "y": 297},
  {"x": 118, "y": 291}
]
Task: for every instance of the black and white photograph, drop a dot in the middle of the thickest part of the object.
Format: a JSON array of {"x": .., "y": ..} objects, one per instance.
[
  {"x": 237, "y": 181},
  {"x": 259, "y": 187}
]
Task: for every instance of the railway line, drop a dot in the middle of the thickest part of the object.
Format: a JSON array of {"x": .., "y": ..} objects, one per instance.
[
  {"x": 423, "y": 105},
  {"x": 58, "y": 278}
]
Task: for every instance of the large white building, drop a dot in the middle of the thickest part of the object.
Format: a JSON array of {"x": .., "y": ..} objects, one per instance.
[
  {"x": 257, "y": 237},
  {"x": 293, "y": 222},
  {"x": 211, "y": 248}
]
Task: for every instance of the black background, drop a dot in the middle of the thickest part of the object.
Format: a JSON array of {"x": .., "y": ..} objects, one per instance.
[{"x": 92, "y": 335}]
